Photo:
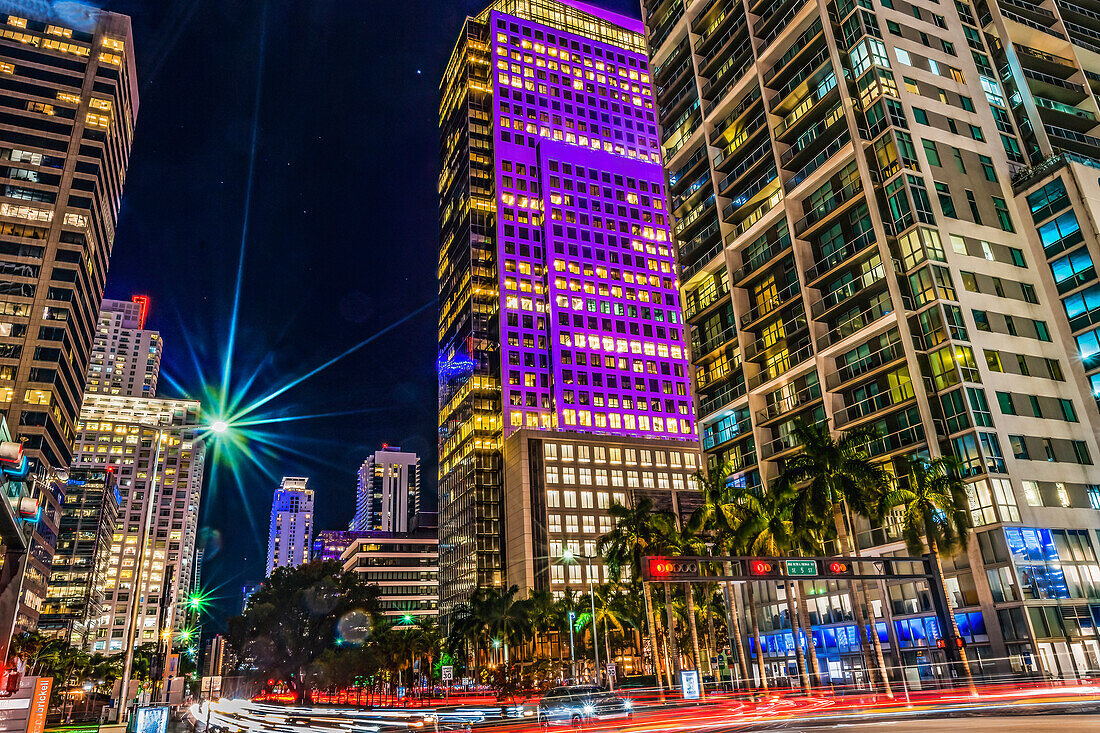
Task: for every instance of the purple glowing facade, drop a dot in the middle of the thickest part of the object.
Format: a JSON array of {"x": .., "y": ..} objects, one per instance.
[
  {"x": 559, "y": 307},
  {"x": 591, "y": 333}
]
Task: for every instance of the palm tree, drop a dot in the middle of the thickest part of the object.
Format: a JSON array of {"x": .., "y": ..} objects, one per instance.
[
  {"x": 506, "y": 619},
  {"x": 686, "y": 541},
  {"x": 768, "y": 530},
  {"x": 634, "y": 535},
  {"x": 717, "y": 516},
  {"x": 612, "y": 609},
  {"x": 937, "y": 515},
  {"x": 826, "y": 475}
]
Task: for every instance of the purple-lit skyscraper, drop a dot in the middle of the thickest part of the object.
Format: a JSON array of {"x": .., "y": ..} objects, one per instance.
[{"x": 559, "y": 308}]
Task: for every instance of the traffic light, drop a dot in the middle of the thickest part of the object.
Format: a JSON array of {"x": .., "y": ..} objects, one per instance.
[
  {"x": 838, "y": 568},
  {"x": 671, "y": 568},
  {"x": 959, "y": 642},
  {"x": 764, "y": 568}
]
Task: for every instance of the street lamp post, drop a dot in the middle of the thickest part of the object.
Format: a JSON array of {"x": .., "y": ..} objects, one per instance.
[
  {"x": 568, "y": 555},
  {"x": 137, "y": 580}
]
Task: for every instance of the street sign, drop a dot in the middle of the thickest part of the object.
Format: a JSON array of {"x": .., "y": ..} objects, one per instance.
[
  {"x": 447, "y": 673},
  {"x": 611, "y": 671},
  {"x": 801, "y": 568},
  {"x": 689, "y": 682}
]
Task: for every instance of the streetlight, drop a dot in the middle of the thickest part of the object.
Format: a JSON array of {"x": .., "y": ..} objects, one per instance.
[
  {"x": 219, "y": 426},
  {"x": 567, "y": 556}
]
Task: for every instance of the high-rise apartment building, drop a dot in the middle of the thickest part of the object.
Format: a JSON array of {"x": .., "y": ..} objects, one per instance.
[
  {"x": 290, "y": 536},
  {"x": 154, "y": 448},
  {"x": 559, "y": 307},
  {"x": 387, "y": 495},
  {"x": 72, "y": 99},
  {"x": 125, "y": 355},
  {"x": 852, "y": 250},
  {"x": 75, "y": 601}
]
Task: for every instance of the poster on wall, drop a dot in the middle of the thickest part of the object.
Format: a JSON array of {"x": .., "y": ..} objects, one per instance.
[
  {"x": 151, "y": 720},
  {"x": 689, "y": 682}
]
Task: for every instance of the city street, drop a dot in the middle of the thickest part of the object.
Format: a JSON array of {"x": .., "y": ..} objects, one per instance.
[{"x": 1020, "y": 724}]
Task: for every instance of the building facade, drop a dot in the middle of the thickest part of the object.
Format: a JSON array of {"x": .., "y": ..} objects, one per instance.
[
  {"x": 559, "y": 307},
  {"x": 405, "y": 568},
  {"x": 76, "y": 601},
  {"x": 387, "y": 496},
  {"x": 125, "y": 355},
  {"x": 559, "y": 489},
  {"x": 290, "y": 534},
  {"x": 72, "y": 104},
  {"x": 154, "y": 447},
  {"x": 852, "y": 249}
]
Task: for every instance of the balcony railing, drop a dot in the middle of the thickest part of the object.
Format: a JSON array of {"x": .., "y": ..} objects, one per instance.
[
  {"x": 771, "y": 304},
  {"x": 834, "y": 258},
  {"x": 721, "y": 398},
  {"x": 771, "y": 372},
  {"x": 698, "y": 304},
  {"x": 848, "y": 290},
  {"x": 869, "y": 406},
  {"x": 829, "y": 205},
  {"x": 855, "y": 324},
  {"x": 759, "y": 259},
  {"x": 864, "y": 365},
  {"x": 747, "y": 193},
  {"x": 790, "y": 403},
  {"x": 701, "y": 347},
  {"x": 755, "y": 348}
]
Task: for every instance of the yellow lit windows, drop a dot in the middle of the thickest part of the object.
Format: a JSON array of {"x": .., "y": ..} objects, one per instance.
[
  {"x": 26, "y": 38},
  {"x": 46, "y": 109},
  {"x": 100, "y": 104},
  {"x": 114, "y": 44},
  {"x": 16, "y": 21},
  {"x": 56, "y": 30},
  {"x": 110, "y": 58},
  {"x": 69, "y": 98},
  {"x": 6, "y": 68},
  {"x": 37, "y": 396},
  {"x": 6, "y": 393}
]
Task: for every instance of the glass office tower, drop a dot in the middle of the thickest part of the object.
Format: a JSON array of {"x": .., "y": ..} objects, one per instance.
[
  {"x": 853, "y": 249},
  {"x": 559, "y": 307}
]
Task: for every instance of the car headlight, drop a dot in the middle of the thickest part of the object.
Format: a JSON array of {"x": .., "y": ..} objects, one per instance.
[
  {"x": 588, "y": 709},
  {"x": 627, "y": 705}
]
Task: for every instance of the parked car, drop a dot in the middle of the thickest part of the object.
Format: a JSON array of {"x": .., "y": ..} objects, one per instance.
[{"x": 574, "y": 706}]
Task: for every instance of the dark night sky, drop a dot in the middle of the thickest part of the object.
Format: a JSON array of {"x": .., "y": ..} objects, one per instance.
[{"x": 341, "y": 239}]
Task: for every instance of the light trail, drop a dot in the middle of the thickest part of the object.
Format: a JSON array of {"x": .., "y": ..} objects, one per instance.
[{"x": 227, "y": 367}]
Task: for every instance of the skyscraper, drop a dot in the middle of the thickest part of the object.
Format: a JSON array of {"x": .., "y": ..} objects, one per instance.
[
  {"x": 75, "y": 601},
  {"x": 72, "y": 97},
  {"x": 859, "y": 243},
  {"x": 125, "y": 355},
  {"x": 558, "y": 302},
  {"x": 154, "y": 448},
  {"x": 290, "y": 536},
  {"x": 388, "y": 491}
]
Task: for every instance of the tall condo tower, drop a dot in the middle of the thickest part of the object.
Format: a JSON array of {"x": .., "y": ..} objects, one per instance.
[
  {"x": 559, "y": 308},
  {"x": 885, "y": 217},
  {"x": 70, "y": 82},
  {"x": 388, "y": 491},
  {"x": 125, "y": 355},
  {"x": 290, "y": 536}
]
